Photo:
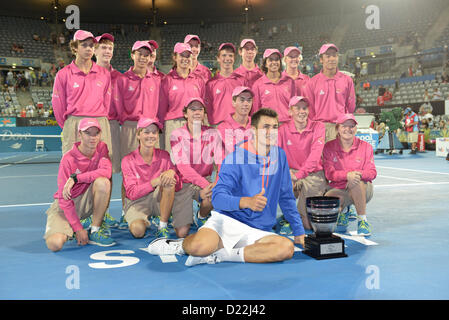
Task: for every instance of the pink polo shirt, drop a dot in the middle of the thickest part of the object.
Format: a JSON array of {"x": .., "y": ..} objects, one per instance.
[
  {"x": 303, "y": 150},
  {"x": 78, "y": 94},
  {"x": 273, "y": 95},
  {"x": 115, "y": 99},
  {"x": 300, "y": 82},
  {"x": 219, "y": 96},
  {"x": 338, "y": 163},
  {"x": 176, "y": 92},
  {"x": 232, "y": 133},
  {"x": 203, "y": 72},
  {"x": 250, "y": 75},
  {"x": 195, "y": 158},
  {"x": 137, "y": 174},
  {"x": 139, "y": 97},
  {"x": 87, "y": 171},
  {"x": 328, "y": 97}
]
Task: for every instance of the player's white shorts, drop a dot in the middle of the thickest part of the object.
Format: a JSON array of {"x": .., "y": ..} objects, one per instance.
[{"x": 233, "y": 233}]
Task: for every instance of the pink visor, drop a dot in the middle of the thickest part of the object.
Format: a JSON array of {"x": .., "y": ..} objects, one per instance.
[
  {"x": 141, "y": 44},
  {"x": 190, "y": 37},
  {"x": 346, "y": 116},
  {"x": 269, "y": 52},
  {"x": 239, "y": 90},
  {"x": 326, "y": 46},
  {"x": 83, "y": 35},
  {"x": 290, "y": 49},
  {"x": 105, "y": 36},
  {"x": 154, "y": 44},
  {"x": 296, "y": 99},
  {"x": 86, "y": 123},
  {"x": 181, "y": 47},
  {"x": 245, "y": 41},
  {"x": 145, "y": 122},
  {"x": 226, "y": 44}
]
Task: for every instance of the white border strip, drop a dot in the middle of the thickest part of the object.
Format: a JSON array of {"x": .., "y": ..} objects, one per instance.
[{"x": 414, "y": 170}]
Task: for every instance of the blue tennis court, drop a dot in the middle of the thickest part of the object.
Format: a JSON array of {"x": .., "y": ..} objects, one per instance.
[{"x": 405, "y": 258}]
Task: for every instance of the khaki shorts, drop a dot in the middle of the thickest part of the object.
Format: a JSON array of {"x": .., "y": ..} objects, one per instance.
[
  {"x": 347, "y": 200},
  {"x": 170, "y": 126},
  {"x": 142, "y": 208},
  {"x": 233, "y": 233},
  {"x": 412, "y": 137},
  {"x": 331, "y": 131},
  {"x": 183, "y": 204},
  {"x": 128, "y": 138},
  {"x": 58, "y": 223},
  {"x": 314, "y": 185},
  {"x": 115, "y": 139},
  {"x": 70, "y": 133}
]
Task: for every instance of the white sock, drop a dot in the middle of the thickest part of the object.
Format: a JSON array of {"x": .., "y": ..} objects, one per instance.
[
  {"x": 94, "y": 229},
  {"x": 235, "y": 255},
  {"x": 123, "y": 213},
  {"x": 362, "y": 217},
  {"x": 162, "y": 224}
]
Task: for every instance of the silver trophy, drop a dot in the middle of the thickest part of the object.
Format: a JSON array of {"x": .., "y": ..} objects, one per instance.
[{"x": 323, "y": 214}]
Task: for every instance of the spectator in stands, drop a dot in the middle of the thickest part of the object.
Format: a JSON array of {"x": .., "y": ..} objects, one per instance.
[
  {"x": 358, "y": 67},
  {"x": 292, "y": 59},
  {"x": 197, "y": 68},
  {"x": 358, "y": 101},
  {"x": 219, "y": 89},
  {"x": 419, "y": 72},
  {"x": 82, "y": 89},
  {"x": 303, "y": 140},
  {"x": 177, "y": 87},
  {"x": 437, "y": 95},
  {"x": 248, "y": 69},
  {"x": 349, "y": 164},
  {"x": 426, "y": 95},
  {"x": 410, "y": 71},
  {"x": 366, "y": 85},
  {"x": 274, "y": 89},
  {"x": 195, "y": 169},
  {"x": 412, "y": 128},
  {"x": 331, "y": 92},
  {"x": 444, "y": 78}
]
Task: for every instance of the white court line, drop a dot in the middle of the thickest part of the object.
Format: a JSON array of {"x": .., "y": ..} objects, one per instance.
[
  {"x": 30, "y": 176},
  {"x": 408, "y": 184},
  {"x": 397, "y": 178},
  {"x": 37, "y": 204},
  {"x": 423, "y": 171},
  {"x": 35, "y": 157}
]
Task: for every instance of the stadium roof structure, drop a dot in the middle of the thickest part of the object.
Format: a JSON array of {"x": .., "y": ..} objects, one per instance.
[{"x": 177, "y": 11}]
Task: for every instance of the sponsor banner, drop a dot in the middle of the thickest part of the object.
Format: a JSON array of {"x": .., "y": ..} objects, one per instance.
[
  {"x": 7, "y": 122},
  {"x": 442, "y": 147},
  {"x": 372, "y": 138},
  {"x": 36, "y": 122},
  {"x": 10, "y": 141}
]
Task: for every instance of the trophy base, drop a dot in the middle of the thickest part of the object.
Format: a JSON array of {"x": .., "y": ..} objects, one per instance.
[{"x": 321, "y": 248}]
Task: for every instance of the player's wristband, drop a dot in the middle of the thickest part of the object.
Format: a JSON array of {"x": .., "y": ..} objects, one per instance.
[{"x": 73, "y": 176}]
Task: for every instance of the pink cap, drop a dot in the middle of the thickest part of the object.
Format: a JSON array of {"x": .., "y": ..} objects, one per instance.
[
  {"x": 226, "y": 44},
  {"x": 145, "y": 122},
  {"x": 346, "y": 116},
  {"x": 245, "y": 41},
  {"x": 105, "y": 36},
  {"x": 181, "y": 47},
  {"x": 269, "y": 52},
  {"x": 290, "y": 49},
  {"x": 190, "y": 37},
  {"x": 195, "y": 99},
  {"x": 86, "y": 123},
  {"x": 326, "y": 46},
  {"x": 154, "y": 44},
  {"x": 141, "y": 44},
  {"x": 239, "y": 90},
  {"x": 296, "y": 99},
  {"x": 83, "y": 35}
]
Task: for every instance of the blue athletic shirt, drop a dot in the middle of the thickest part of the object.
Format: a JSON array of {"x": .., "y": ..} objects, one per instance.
[{"x": 242, "y": 174}]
